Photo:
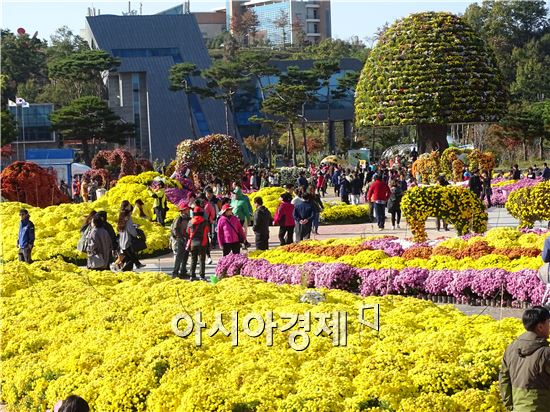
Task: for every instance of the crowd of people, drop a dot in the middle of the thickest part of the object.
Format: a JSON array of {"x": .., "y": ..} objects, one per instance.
[{"x": 217, "y": 216}]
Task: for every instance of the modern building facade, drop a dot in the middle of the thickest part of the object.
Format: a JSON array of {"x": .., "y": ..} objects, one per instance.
[
  {"x": 312, "y": 16},
  {"x": 211, "y": 24},
  {"x": 248, "y": 100},
  {"x": 139, "y": 89},
  {"x": 34, "y": 127}
]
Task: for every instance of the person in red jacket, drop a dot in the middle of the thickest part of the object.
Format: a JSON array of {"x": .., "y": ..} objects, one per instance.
[
  {"x": 198, "y": 241},
  {"x": 284, "y": 218},
  {"x": 379, "y": 193}
]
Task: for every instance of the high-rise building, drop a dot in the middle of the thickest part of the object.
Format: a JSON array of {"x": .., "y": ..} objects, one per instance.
[{"x": 284, "y": 21}]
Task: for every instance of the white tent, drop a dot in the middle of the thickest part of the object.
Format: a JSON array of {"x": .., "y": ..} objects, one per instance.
[{"x": 79, "y": 169}]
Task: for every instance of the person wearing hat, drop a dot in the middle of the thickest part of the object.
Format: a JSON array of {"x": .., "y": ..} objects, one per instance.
[
  {"x": 178, "y": 241},
  {"x": 230, "y": 231},
  {"x": 197, "y": 242},
  {"x": 25, "y": 240}
]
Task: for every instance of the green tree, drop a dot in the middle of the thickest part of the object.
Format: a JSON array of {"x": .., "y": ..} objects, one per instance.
[
  {"x": 429, "y": 69},
  {"x": 323, "y": 70},
  {"x": 81, "y": 71},
  {"x": 180, "y": 79},
  {"x": 522, "y": 125},
  {"x": 336, "y": 49},
  {"x": 286, "y": 100},
  {"x": 64, "y": 43},
  {"x": 23, "y": 58},
  {"x": 89, "y": 118},
  {"x": 542, "y": 111},
  {"x": 282, "y": 22},
  {"x": 505, "y": 25},
  {"x": 532, "y": 80},
  {"x": 9, "y": 128}
]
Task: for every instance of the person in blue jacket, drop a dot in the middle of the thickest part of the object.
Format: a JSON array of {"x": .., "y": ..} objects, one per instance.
[
  {"x": 25, "y": 241},
  {"x": 303, "y": 216}
]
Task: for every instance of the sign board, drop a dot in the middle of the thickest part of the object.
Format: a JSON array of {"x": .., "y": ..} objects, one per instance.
[
  {"x": 355, "y": 156},
  {"x": 58, "y": 159}
]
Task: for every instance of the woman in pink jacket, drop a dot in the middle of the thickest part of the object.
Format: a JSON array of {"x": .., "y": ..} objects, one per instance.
[
  {"x": 284, "y": 218},
  {"x": 230, "y": 231}
]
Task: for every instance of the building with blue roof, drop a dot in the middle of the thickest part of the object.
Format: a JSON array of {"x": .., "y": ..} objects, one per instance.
[{"x": 139, "y": 89}]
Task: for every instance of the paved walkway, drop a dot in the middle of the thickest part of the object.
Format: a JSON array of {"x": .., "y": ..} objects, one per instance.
[{"x": 498, "y": 217}]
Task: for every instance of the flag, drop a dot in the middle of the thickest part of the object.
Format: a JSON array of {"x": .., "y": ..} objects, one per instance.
[
  {"x": 11, "y": 103},
  {"x": 26, "y": 104},
  {"x": 19, "y": 100}
]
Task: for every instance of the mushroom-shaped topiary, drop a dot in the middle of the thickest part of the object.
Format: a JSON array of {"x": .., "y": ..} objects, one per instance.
[{"x": 429, "y": 69}]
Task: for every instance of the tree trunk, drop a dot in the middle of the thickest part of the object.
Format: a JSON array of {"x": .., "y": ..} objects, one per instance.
[
  {"x": 304, "y": 135},
  {"x": 226, "y": 118},
  {"x": 292, "y": 143},
  {"x": 269, "y": 154},
  {"x": 541, "y": 148},
  {"x": 191, "y": 122},
  {"x": 432, "y": 137},
  {"x": 86, "y": 152},
  {"x": 524, "y": 143}
]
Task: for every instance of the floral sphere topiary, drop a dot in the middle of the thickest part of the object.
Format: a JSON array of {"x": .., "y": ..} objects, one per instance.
[
  {"x": 530, "y": 204},
  {"x": 429, "y": 69},
  {"x": 455, "y": 204},
  {"x": 217, "y": 154}
]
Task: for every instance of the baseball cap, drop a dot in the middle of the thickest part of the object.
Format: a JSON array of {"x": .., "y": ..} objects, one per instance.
[{"x": 226, "y": 207}]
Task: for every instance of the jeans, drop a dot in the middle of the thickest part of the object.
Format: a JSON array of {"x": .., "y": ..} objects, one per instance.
[
  {"x": 303, "y": 231},
  {"x": 395, "y": 216},
  {"x": 25, "y": 254},
  {"x": 380, "y": 214},
  {"x": 231, "y": 248},
  {"x": 181, "y": 255},
  {"x": 286, "y": 235},
  {"x": 159, "y": 213},
  {"x": 196, "y": 253},
  {"x": 488, "y": 194}
]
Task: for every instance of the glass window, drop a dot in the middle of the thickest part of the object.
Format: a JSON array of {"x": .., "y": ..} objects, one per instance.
[
  {"x": 34, "y": 122},
  {"x": 136, "y": 106}
]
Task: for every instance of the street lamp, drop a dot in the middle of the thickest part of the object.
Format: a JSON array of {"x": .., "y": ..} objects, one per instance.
[{"x": 19, "y": 101}]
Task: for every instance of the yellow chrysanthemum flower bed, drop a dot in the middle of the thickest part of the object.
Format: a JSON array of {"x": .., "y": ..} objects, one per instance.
[
  {"x": 107, "y": 337},
  {"x": 58, "y": 227},
  {"x": 333, "y": 212}
]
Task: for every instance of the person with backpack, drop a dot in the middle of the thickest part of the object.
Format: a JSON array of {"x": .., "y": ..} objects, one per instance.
[
  {"x": 230, "y": 231},
  {"x": 284, "y": 218},
  {"x": 178, "y": 242},
  {"x": 197, "y": 242}
]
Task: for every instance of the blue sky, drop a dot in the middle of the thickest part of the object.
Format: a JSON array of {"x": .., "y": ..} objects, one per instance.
[{"x": 349, "y": 18}]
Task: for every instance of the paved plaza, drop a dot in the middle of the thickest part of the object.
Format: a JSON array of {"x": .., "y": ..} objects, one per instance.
[{"x": 498, "y": 217}]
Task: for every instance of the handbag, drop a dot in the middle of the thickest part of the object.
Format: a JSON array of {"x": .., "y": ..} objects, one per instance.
[{"x": 139, "y": 241}]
